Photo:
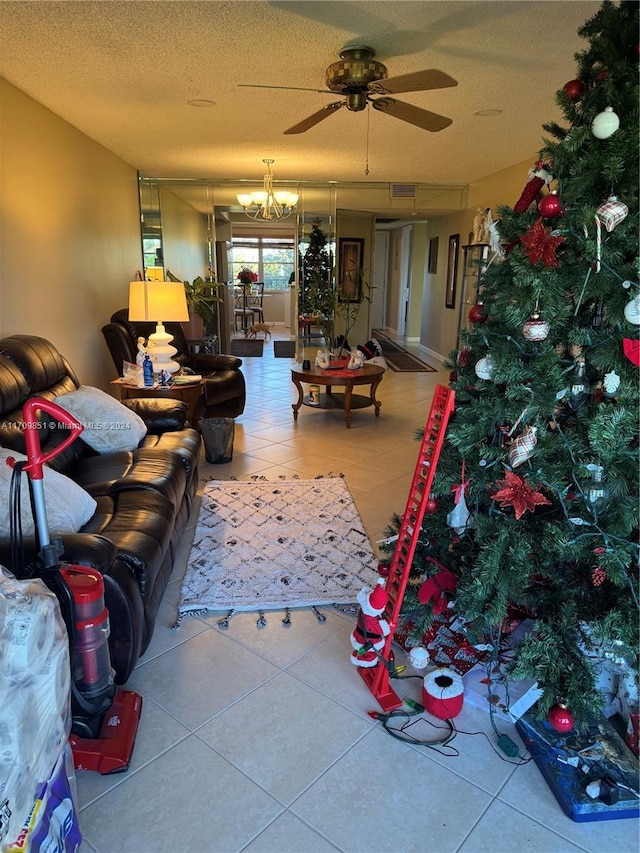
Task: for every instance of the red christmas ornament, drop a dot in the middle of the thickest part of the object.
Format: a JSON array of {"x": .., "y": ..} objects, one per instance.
[
  {"x": 574, "y": 89},
  {"x": 561, "y": 718},
  {"x": 538, "y": 245},
  {"x": 464, "y": 356},
  {"x": 477, "y": 313},
  {"x": 432, "y": 506},
  {"x": 515, "y": 492},
  {"x": 598, "y": 576},
  {"x": 549, "y": 206}
]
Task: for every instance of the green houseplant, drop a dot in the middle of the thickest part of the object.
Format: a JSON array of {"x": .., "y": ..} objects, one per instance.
[{"x": 202, "y": 301}]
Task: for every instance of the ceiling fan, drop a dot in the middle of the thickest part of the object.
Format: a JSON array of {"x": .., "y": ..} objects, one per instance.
[{"x": 358, "y": 76}]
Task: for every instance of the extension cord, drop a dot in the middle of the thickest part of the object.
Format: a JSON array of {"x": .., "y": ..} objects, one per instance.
[{"x": 508, "y": 746}]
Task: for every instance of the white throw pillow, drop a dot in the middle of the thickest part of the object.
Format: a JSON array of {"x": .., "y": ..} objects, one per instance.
[
  {"x": 108, "y": 425},
  {"x": 67, "y": 504}
]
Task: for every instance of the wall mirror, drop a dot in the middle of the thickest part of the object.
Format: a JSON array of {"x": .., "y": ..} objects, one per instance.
[{"x": 151, "y": 229}]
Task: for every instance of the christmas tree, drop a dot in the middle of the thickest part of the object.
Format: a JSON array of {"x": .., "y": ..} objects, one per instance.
[
  {"x": 533, "y": 512},
  {"x": 316, "y": 291}
]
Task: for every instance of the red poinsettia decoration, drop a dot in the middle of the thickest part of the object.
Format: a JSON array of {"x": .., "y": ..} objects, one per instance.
[
  {"x": 515, "y": 492},
  {"x": 539, "y": 244}
]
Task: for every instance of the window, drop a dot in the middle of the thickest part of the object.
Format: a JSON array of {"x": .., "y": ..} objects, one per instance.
[{"x": 272, "y": 258}]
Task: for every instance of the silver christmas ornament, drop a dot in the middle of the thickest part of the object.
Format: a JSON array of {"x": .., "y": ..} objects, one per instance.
[
  {"x": 485, "y": 367},
  {"x": 632, "y": 311}
]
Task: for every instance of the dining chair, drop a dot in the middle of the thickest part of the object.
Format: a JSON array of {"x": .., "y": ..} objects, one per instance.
[
  {"x": 256, "y": 298},
  {"x": 242, "y": 310}
]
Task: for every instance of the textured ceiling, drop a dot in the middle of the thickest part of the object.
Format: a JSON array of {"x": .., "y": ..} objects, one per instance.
[{"x": 124, "y": 72}]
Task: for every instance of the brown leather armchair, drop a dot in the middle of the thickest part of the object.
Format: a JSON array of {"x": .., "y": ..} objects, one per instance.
[{"x": 224, "y": 388}]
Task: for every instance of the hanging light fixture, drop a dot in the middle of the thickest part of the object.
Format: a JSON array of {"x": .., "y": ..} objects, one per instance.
[{"x": 267, "y": 204}]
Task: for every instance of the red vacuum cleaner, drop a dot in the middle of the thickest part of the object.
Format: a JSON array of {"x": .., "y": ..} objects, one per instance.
[{"x": 104, "y": 719}]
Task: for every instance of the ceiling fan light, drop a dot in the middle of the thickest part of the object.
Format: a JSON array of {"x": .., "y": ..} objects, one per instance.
[{"x": 244, "y": 199}]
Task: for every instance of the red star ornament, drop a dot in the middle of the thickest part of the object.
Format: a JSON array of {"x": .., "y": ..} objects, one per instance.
[
  {"x": 539, "y": 245},
  {"x": 515, "y": 492}
]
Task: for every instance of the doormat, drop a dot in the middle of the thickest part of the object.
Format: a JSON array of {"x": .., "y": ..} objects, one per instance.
[
  {"x": 276, "y": 545},
  {"x": 399, "y": 359},
  {"x": 247, "y": 347},
  {"x": 284, "y": 349}
]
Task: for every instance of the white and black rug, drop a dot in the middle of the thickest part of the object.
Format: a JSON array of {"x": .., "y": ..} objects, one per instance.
[{"x": 276, "y": 545}]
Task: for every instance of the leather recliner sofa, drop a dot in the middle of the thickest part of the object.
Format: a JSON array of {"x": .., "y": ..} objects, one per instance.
[
  {"x": 224, "y": 388},
  {"x": 143, "y": 496}
]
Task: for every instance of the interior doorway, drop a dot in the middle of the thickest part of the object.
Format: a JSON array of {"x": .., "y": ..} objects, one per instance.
[{"x": 378, "y": 314}]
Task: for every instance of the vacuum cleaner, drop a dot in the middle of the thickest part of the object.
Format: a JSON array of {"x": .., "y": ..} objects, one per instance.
[{"x": 104, "y": 719}]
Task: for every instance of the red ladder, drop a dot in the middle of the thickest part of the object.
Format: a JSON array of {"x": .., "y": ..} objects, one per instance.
[{"x": 377, "y": 678}]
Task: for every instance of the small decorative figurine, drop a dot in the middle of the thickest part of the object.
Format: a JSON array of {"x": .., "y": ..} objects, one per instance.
[{"x": 142, "y": 351}]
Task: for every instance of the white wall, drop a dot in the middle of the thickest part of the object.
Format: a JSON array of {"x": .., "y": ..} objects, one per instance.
[{"x": 69, "y": 234}]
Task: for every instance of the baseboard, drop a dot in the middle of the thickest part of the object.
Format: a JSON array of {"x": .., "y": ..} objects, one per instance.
[{"x": 433, "y": 354}]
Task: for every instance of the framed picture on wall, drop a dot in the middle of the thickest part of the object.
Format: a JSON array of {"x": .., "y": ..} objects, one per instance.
[
  {"x": 452, "y": 270},
  {"x": 350, "y": 252},
  {"x": 433, "y": 255}
]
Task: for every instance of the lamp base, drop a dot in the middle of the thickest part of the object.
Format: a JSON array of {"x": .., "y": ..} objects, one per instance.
[{"x": 160, "y": 351}]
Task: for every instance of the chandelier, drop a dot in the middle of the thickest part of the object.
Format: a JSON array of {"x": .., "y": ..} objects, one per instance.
[{"x": 267, "y": 204}]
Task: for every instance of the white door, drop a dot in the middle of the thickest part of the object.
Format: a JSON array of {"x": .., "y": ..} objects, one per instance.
[
  {"x": 405, "y": 279},
  {"x": 378, "y": 313}
]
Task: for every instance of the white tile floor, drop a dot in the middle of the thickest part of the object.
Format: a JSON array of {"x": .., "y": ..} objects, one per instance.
[{"x": 258, "y": 740}]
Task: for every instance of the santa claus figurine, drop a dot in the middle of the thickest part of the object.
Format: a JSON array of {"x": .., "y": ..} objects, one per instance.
[{"x": 370, "y": 631}]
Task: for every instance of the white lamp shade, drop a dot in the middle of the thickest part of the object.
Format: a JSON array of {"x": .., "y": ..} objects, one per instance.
[
  {"x": 244, "y": 199},
  {"x": 259, "y": 197},
  {"x": 283, "y": 197},
  {"x": 158, "y": 301}
]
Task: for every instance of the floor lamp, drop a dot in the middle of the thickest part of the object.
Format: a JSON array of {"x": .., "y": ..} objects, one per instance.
[{"x": 159, "y": 301}]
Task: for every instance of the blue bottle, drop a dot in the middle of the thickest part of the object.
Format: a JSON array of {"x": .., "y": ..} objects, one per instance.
[{"x": 147, "y": 372}]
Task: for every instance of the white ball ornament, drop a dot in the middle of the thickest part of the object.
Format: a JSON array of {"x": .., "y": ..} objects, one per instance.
[
  {"x": 632, "y": 311},
  {"x": 419, "y": 657},
  {"x": 605, "y": 124},
  {"x": 485, "y": 367}
]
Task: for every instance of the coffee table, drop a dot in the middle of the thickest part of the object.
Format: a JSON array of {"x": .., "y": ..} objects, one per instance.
[{"x": 369, "y": 374}]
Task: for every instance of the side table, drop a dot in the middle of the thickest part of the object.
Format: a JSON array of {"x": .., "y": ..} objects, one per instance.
[{"x": 188, "y": 393}]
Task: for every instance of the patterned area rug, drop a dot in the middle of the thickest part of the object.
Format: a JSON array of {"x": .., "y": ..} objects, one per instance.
[
  {"x": 275, "y": 545},
  {"x": 399, "y": 359}
]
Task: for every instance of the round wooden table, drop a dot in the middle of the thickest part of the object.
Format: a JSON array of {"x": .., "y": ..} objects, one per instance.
[{"x": 369, "y": 374}]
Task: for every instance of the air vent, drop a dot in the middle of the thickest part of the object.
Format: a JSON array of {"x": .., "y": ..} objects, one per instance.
[{"x": 403, "y": 190}]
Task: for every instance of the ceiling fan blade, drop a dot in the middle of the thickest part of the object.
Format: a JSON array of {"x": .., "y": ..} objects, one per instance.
[
  {"x": 414, "y": 115},
  {"x": 296, "y": 88},
  {"x": 316, "y": 118},
  {"x": 417, "y": 81}
]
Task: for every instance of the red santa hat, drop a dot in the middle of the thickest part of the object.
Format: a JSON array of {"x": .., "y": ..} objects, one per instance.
[{"x": 374, "y": 601}]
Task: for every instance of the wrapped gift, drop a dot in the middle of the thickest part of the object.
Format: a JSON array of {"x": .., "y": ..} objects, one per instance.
[{"x": 445, "y": 640}]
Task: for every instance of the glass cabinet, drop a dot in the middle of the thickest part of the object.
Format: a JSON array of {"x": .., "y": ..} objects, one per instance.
[{"x": 476, "y": 257}]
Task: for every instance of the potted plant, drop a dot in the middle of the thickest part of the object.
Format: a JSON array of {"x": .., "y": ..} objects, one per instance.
[{"x": 202, "y": 299}]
